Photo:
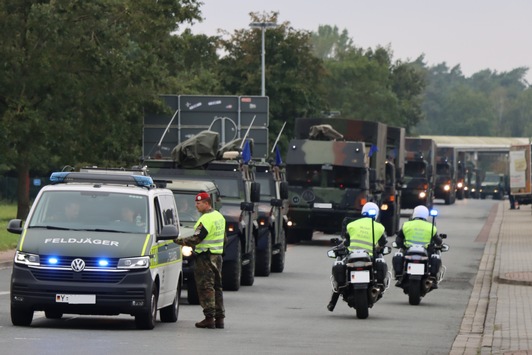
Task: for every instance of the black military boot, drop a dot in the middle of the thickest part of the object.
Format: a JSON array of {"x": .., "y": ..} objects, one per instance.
[
  {"x": 208, "y": 322},
  {"x": 332, "y": 303},
  {"x": 219, "y": 322}
]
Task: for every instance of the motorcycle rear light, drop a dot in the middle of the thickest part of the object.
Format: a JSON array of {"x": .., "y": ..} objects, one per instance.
[
  {"x": 359, "y": 265},
  {"x": 416, "y": 258}
]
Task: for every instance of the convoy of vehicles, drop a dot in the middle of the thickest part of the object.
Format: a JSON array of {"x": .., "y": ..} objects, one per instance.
[{"x": 445, "y": 185}]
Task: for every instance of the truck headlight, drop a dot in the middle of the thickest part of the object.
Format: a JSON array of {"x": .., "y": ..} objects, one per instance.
[
  {"x": 446, "y": 187},
  {"x": 186, "y": 250},
  {"x": 422, "y": 194},
  {"x": 141, "y": 262}
]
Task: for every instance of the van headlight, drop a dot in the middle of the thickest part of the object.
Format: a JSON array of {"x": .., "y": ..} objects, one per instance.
[
  {"x": 27, "y": 259},
  {"x": 141, "y": 262}
]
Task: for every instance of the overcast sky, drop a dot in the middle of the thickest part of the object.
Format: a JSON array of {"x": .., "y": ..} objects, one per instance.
[{"x": 477, "y": 34}]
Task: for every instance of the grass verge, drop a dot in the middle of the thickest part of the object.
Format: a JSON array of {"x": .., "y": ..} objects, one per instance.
[{"x": 7, "y": 240}]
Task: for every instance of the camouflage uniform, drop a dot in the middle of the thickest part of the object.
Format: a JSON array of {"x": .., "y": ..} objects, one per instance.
[{"x": 208, "y": 274}]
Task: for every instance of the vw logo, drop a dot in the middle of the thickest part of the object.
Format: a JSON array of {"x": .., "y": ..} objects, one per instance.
[{"x": 77, "y": 265}]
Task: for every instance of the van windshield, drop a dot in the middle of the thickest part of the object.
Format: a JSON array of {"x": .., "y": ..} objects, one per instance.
[{"x": 81, "y": 210}]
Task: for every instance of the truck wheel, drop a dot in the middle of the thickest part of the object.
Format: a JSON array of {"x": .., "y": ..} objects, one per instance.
[
  {"x": 146, "y": 320},
  {"x": 192, "y": 291},
  {"x": 279, "y": 254},
  {"x": 232, "y": 271},
  {"x": 169, "y": 314},
  {"x": 263, "y": 263},
  {"x": 21, "y": 316},
  {"x": 248, "y": 270}
]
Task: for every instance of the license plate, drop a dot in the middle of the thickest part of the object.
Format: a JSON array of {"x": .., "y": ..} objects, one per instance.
[
  {"x": 415, "y": 269},
  {"x": 323, "y": 205},
  {"x": 359, "y": 277},
  {"x": 75, "y": 299}
]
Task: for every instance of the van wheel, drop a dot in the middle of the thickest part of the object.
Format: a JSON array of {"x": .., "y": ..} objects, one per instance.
[
  {"x": 147, "y": 319},
  {"x": 169, "y": 314},
  {"x": 21, "y": 316}
]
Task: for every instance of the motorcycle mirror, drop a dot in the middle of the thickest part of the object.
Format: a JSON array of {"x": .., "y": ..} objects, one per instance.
[
  {"x": 433, "y": 213},
  {"x": 444, "y": 247},
  {"x": 443, "y": 236},
  {"x": 334, "y": 241},
  {"x": 331, "y": 254}
]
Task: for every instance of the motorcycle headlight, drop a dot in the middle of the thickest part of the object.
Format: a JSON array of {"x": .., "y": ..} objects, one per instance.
[
  {"x": 27, "y": 259},
  {"x": 141, "y": 262}
]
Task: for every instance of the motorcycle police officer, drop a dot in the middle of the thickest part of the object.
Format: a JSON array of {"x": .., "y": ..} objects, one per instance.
[
  {"x": 358, "y": 235},
  {"x": 418, "y": 231}
]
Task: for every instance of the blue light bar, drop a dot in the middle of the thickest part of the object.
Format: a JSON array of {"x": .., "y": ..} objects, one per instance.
[
  {"x": 52, "y": 260},
  {"x": 433, "y": 213},
  {"x": 103, "y": 262},
  {"x": 110, "y": 178}
]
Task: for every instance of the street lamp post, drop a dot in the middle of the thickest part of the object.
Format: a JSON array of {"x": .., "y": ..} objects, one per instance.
[{"x": 263, "y": 26}]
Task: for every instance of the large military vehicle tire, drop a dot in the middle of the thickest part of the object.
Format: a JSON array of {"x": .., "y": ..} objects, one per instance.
[
  {"x": 232, "y": 271},
  {"x": 279, "y": 254},
  {"x": 192, "y": 291},
  {"x": 263, "y": 261},
  {"x": 248, "y": 270}
]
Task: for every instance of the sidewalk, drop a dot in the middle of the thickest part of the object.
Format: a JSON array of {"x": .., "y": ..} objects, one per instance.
[{"x": 498, "y": 318}]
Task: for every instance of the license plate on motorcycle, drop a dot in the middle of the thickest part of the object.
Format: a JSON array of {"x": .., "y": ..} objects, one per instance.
[
  {"x": 358, "y": 277},
  {"x": 415, "y": 269}
]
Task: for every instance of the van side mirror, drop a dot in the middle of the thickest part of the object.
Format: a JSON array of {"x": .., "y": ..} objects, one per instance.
[{"x": 283, "y": 190}]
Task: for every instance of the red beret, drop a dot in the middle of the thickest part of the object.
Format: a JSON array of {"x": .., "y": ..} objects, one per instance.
[{"x": 202, "y": 196}]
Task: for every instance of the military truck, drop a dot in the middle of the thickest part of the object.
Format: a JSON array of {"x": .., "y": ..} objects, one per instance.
[
  {"x": 332, "y": 169},
  {"x": 420, "y": 171},
  {"x": 461, "y": 171},
  {"x": 445, "y": 186},
  {"x": 272, "y": 211},
  {"x": 492, "y": 185},
  {"x": 200, "y": 158},
  {"x": 390, "y": 215}
]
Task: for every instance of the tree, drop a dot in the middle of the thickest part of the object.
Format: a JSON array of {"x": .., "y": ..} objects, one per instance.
[
  {"x": 293, "y": 73},
  {"x": 76, "y": 75}
]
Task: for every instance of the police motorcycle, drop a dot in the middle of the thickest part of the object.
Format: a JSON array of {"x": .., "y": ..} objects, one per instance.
[
  {"x": 355, "y": 274},
  {"x": 417, "y": 280}
]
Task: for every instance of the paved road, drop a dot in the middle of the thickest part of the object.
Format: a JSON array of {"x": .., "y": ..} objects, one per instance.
[{"x": 285, "y": 313}]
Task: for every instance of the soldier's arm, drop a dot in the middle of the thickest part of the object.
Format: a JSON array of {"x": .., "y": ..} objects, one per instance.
[{"x": 199, "y": 234}]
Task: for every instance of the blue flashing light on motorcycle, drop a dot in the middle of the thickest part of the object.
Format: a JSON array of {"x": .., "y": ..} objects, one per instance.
[
  {"x": 433, "y": 213},
  {"x": 370, "y": 213}
]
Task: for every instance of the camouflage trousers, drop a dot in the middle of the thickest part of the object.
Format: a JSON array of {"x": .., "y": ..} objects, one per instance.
[{"x": 208, "y": 275}]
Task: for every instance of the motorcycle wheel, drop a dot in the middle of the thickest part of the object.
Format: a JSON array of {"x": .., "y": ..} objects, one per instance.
[
  {"x": 361, "y": 305},
  {"x": 414, "y": 292}
]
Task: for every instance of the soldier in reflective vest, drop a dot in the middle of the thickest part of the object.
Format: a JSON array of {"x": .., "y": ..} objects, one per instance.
[
  {"x": 359, "y": 235},
  {"x": 417, "y": 231},
  {"x": 208, "y": 240}
]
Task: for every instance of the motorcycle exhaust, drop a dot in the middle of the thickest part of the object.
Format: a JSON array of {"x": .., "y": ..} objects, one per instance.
[
  {"x": 375, "y": 292},
  {"x": 428, "y": 284}
]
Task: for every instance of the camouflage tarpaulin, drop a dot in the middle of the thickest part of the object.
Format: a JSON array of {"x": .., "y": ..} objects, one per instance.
[{"x": 197, "y": 150}]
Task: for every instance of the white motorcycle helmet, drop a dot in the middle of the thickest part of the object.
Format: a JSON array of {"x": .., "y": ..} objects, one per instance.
[
  {"x": 420, "y": 212},
  {"x": 370, "y": 206}
]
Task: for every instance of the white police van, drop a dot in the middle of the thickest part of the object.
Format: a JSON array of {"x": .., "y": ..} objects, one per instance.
[{"x": 98, "y": 242}]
